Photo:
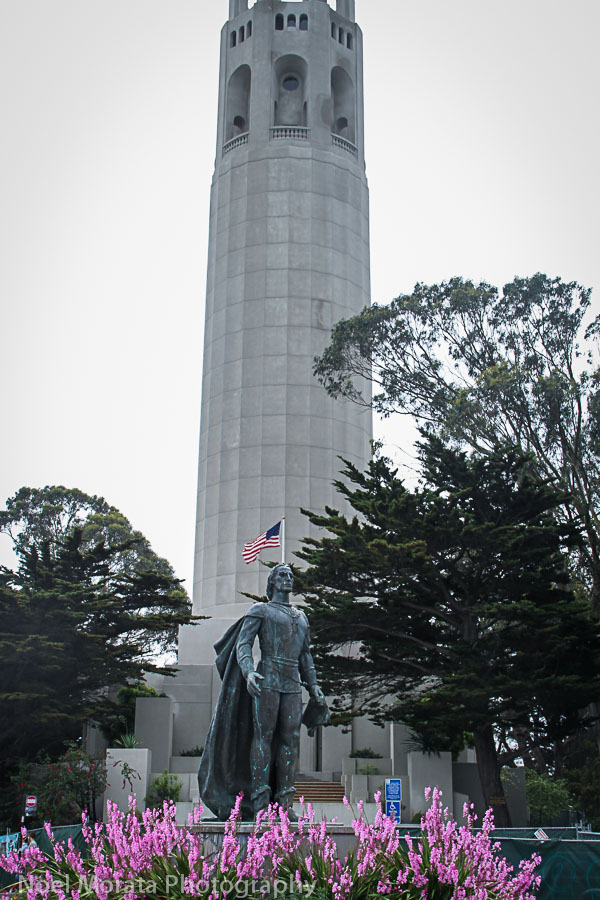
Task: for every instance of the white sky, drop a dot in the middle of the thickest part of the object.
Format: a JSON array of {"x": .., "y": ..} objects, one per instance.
[{"x": 482, "y": 136}]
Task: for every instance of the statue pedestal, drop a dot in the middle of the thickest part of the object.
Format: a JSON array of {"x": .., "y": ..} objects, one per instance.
[
  {"x": 214, "y": 832},
  {"x": 343, "y": 836}
]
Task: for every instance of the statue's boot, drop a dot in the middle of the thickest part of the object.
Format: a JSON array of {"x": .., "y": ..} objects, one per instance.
[
  {"x": 285, "y": 799},
  {"x": 261, "y": 798}
]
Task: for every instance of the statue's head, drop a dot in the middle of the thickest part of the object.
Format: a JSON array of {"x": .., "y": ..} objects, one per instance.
[{"x": 280, "y": 577}]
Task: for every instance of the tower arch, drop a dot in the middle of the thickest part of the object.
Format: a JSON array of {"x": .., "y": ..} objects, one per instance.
[
  {"x": 237, "y": 116},
  {"x": 290, "y": 88},
  {"x": 343, "y": 104}
]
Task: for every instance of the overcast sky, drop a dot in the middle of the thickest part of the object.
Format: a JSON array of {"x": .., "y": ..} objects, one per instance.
[{"x": 482, "y": 144}]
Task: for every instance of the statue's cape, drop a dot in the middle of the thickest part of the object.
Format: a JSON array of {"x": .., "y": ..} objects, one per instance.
[{"x": 225, "y": 766}]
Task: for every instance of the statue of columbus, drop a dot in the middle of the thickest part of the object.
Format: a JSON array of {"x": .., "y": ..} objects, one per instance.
[{"x": 253, "y": 740}]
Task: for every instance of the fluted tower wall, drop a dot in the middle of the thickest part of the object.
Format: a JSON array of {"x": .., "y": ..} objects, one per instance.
[{"x": 288, "y": 257}]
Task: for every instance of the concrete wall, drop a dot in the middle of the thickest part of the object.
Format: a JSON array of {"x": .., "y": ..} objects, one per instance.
[
  {"x": 367, "y": 735},
  {"x": 119, "y": 789},
  {"x": 429, "y": 770},
  {"x": 154, "y": 728},
  {"x": 466, "y": 781},
  {"x": 513, "y": 782}
]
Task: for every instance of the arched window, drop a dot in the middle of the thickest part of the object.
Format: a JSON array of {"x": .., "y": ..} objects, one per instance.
[
  {"x": 303, "y": 23},
  {"x": 249, "y": 29},
  {"x": 291, "y": 21},
  {"x": 242, "y": 34},
  {"x": 290, "y": 91},
  {"x": 278, "y": 22},
  {"x": 237, "y": 119},
  {"x": 333, "y": 29},
  {"x": 349, "y": 41},
  {"x": 341, "y": 35},
  {"x": 343, "y": 97},
  {"x": 232, "y": 40}
]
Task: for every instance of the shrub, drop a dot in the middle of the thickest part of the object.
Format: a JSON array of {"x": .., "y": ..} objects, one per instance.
[
  {"x": 155, "y": 857},
  {"x": 65, "y": 787},
  {"x": 195, "y": 751},
  {"x": 127, "y": 741},
  {"x": 365, "y": 753},
  {"x": 165, "y": 787},
  {"x": 546, "y": 797}
]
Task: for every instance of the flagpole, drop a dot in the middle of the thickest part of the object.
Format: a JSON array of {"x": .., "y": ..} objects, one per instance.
[{"x": 282, "y": 539}]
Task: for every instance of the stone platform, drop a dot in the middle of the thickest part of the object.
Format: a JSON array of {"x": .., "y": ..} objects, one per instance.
[{"x": 213, "y": 833}]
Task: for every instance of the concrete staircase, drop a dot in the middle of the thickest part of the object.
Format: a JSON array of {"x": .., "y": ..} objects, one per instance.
[{"x": 318, "y": 792}]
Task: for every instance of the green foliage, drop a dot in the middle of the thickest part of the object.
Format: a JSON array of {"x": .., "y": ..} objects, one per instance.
[
  {"x": 584, "y": 787},
  {"x": 485, "y": 368},
  {"x": 88, "y": 608},
  {"x": 35, "y": 517},
  {"x": 66, "y": 786},
  {"x": 365, "y": 753},
  {"x": 456, "y": 604},
  {"x": 194, "y": 751},
  {"x": 128, "y": 741},
  {"x": 546, "y": 797},
  {"x": 164, "y": 787}
]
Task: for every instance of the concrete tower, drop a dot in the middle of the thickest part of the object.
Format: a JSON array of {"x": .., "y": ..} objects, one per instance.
[{"x": 288, "y": 257}]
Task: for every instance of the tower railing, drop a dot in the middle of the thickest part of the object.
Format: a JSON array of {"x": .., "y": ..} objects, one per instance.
[
  {"x": 237, "y": 141},
  {"x": 290, "y": 132},
  {"x": 343, "y": 144}
]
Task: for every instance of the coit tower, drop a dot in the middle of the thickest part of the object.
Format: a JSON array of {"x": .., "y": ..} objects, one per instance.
[{"x": 288, "y": 257}]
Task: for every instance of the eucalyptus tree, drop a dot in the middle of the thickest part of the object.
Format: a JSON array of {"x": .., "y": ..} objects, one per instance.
[{"x": 483, "y": 368}]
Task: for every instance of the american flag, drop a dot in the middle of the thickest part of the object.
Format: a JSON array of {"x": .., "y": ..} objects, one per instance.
[{"x": 269, "y": 538}]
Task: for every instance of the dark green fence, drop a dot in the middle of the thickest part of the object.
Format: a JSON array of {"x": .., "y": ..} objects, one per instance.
[
  {"x": 62, "y": 833},
  {"x": 570, "y": 869}
]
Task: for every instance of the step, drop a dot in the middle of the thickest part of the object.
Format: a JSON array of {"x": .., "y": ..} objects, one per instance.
[{"x": 320, "y": 791}]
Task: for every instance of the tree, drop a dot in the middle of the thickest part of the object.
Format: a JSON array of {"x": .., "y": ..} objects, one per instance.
[
  {"x": 449, "y": 607},
  {"x": 483, "y": 368},
  {"x": 584, "y": 786},
  {"x": 88, "y": 609},
  {"x": 45, "y": 516}
]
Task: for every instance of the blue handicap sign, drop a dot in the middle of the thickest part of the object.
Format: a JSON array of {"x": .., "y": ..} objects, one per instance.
[
  {"x": 393, "y": 798},
  {"x": 393, "y": 809}
]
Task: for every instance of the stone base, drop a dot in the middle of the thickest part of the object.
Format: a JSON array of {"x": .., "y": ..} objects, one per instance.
[{"x": 343, "y": 834}]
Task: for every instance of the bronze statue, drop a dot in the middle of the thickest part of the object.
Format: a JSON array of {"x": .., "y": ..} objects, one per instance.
[{"x": 253, "y": 740}]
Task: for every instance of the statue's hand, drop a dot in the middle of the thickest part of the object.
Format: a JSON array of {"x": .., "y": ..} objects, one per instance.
[
  {"x": 253, "y": 681},
  {"x": 317, "y": 694}
]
